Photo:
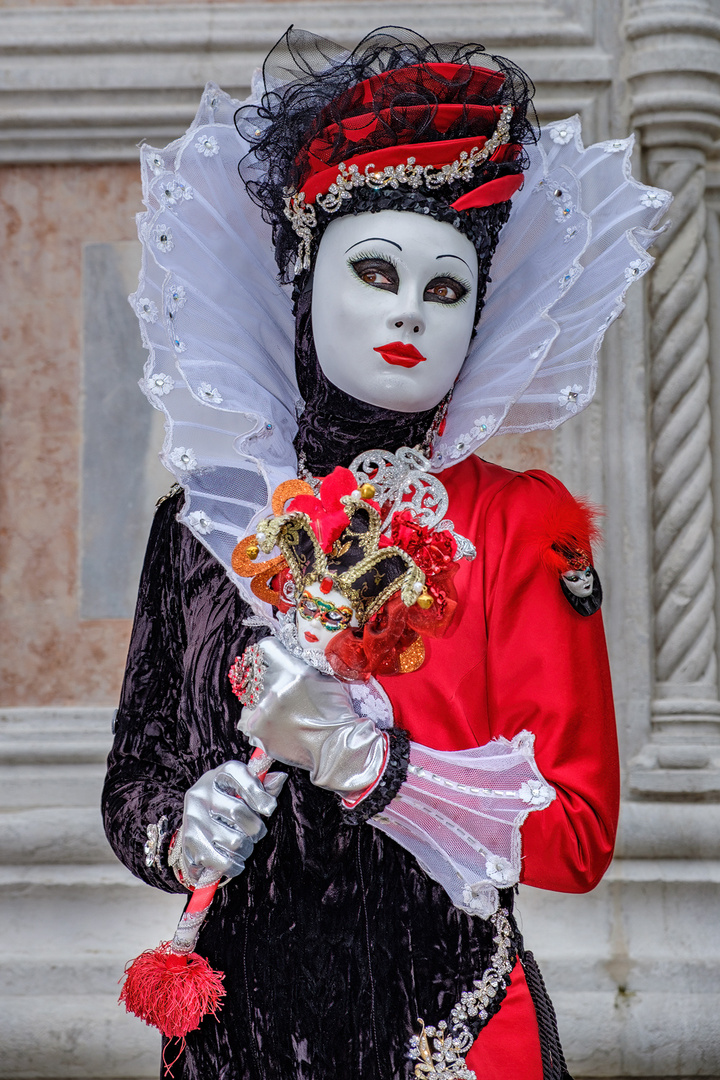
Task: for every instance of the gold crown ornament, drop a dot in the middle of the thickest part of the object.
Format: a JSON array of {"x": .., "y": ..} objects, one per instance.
[{"x": 364, "y": 571}]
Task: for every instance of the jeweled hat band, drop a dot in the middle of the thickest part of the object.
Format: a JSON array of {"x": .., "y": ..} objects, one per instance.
[{"x": 429, "y": 166}]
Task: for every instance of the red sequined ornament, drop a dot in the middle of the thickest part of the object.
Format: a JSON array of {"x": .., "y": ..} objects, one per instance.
[{"x": 246, "y": 676}]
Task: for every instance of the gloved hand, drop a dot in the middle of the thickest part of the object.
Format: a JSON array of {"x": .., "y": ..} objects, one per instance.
[
  {"x": 221, "y": 821},
  {"x": 305, "y": 718}
]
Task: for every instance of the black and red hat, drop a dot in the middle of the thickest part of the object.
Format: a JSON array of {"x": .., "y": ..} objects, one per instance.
[{"x": 399, "y": 123}]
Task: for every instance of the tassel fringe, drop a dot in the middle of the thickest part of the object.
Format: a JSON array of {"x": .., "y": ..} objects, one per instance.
[{"x": 171, "y": 991}]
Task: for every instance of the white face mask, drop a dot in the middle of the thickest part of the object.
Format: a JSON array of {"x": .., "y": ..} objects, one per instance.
[
  {"x": 579, "y": 582},
  {"x": 320, "y": 616},
  {"x": 393, "y": 307}
]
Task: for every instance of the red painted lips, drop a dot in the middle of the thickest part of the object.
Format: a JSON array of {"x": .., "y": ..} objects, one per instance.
[
  {"x": 311, "y": 637},
  {"x": 400, "y": 354}
]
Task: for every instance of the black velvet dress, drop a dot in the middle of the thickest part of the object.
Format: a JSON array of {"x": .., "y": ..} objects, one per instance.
[{"x": 332, "y": 941}]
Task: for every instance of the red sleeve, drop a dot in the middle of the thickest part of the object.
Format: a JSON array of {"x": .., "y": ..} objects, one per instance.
[{"x": 548, "y": 673}]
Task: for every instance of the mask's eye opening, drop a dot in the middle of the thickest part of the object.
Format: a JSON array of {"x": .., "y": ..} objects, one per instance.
[
  {"x": 377, "y": 271},
  {"x": 446, "y": 289}
]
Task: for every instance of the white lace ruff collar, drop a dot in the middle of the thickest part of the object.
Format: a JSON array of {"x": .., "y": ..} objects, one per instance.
[{"x": 220, "y": 331}]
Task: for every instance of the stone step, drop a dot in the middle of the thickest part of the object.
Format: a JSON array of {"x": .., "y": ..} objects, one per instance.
[
  {"x": 52, "y": 736},
  {"x": 71, "y": 876},
  {"x": 45, "y": 973},
  {"x": 75, "y": 1036},
  {"x": 58, "y": 835},
  {"x": 33, "y": 786},
  {"x": 83, "y": 911}
]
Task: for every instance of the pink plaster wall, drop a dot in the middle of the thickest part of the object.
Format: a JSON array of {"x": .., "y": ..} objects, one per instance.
[
  {"x": 48, "y": 655},
  {"x": 521, "y": 452}
]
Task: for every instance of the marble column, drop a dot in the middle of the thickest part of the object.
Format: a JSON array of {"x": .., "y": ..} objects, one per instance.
[{"x": 674, "y": 68}]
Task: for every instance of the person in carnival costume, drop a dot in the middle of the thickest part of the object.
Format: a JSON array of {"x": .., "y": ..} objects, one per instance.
[{"x": 341, "y": 582}]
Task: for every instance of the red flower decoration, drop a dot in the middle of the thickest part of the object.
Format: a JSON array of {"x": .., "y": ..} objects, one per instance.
[
  {"x": 431, "y": 551},
  {"x": 327, "y": 513}
]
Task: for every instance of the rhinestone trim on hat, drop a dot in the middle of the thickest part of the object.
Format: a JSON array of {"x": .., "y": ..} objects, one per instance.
[{"x": 304, "y": 217}]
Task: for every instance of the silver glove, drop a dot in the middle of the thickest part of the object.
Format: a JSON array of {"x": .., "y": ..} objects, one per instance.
[
  {"x": 221, "y": 820},
  {"x": 305, "y": 718}
]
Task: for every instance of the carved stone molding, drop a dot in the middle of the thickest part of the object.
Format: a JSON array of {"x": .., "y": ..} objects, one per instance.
[
  {"x": 674, "y": 72},
  {"x": 675, "y": 80},
  {"x": 88, "y": 84}
]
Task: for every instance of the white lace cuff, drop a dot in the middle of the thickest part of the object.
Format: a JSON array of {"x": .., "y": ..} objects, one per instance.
[{"x": 459, "y": 813}]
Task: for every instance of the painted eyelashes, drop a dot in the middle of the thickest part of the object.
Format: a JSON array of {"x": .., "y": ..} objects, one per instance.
[{"x": 380, "y": 272}]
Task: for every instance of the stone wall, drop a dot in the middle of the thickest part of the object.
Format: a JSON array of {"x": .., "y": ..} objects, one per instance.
[{"x": 634, "y": 968}]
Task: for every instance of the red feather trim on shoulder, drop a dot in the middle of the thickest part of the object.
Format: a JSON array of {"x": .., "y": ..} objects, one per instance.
[{"x": 567, "y": 533}]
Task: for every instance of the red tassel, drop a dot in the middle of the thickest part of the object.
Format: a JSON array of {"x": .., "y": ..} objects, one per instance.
[{"x": 172, "y": 991}]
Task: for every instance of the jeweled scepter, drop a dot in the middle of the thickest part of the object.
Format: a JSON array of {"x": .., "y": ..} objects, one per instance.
[{"x": 172, "y": 987}]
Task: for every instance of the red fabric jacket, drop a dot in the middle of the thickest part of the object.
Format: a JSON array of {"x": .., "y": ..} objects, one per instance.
[{"x": 518, "y": 656}]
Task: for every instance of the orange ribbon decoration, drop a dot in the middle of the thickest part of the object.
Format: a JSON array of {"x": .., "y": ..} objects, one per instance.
[{"x": 262, "y": 573}]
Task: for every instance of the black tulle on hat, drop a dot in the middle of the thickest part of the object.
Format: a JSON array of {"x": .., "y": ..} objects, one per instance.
[{"x": 322, "y": 107}]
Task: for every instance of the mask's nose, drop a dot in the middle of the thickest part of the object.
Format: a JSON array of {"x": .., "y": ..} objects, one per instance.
[{"x": 409, "y": 321}]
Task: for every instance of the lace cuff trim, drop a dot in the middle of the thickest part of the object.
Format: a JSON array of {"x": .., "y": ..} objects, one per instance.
[
  {"x": 459, "y": 813},
  {"x": 390, "y": 781}
]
